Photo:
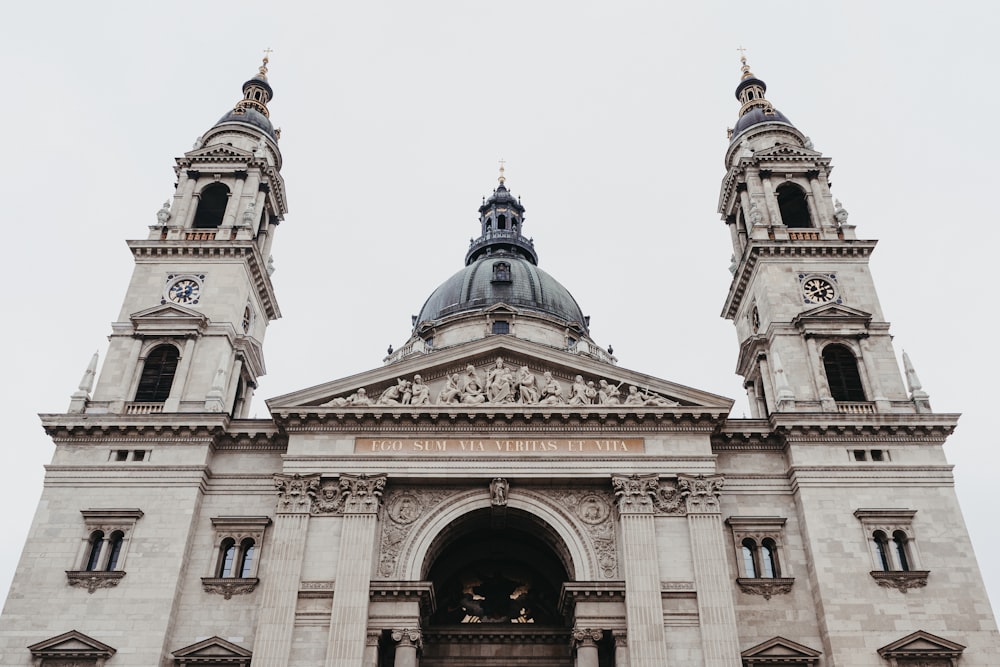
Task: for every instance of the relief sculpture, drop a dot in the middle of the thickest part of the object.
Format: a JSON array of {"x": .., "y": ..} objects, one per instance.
[
  {"x": 403, "y": 509},
  {"x": 504, "y": 384},
  {"x": 593, "y": 509}
]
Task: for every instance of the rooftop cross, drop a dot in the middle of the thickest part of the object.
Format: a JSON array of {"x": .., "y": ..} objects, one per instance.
[{"x": 502, "y": 178}]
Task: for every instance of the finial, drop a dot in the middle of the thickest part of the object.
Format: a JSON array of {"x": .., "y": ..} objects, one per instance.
[
  {"x": 262, "y": 72},
  {"x": 502, "y": 178},
  {"x": 747, "y": 74}
]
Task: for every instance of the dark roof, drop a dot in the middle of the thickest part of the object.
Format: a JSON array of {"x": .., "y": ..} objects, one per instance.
[
  {"x": 756, "y": 116},
  {"x": 250, "y": 117}
]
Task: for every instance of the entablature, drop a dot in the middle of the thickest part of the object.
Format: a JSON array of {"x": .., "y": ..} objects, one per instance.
[{"x": 212, "y": 429}]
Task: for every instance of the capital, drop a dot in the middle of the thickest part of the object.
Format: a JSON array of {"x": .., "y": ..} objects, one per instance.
[
  {"x": 361, "y": 494},
  {"x": 636, "y": 493},
  {"x": 586, "y": 636},
  {"x": 295, "y": 492},
  {"x": 407, "y": 637},
  {"x": 701, "y": 492}
]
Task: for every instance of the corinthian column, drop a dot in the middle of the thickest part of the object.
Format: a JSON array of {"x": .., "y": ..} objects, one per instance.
[
  {"x": 361, "y": 497},
  {"x": 711, "y": 575},
  {"x": 281, "y": 571},
  {"x": 643, "y": 606}
]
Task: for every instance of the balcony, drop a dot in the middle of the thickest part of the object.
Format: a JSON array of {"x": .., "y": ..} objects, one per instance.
[{"x": 143, "y": 408}]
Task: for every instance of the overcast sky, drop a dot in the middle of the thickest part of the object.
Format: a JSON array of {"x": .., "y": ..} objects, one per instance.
[{"x": 612, "y": 119}]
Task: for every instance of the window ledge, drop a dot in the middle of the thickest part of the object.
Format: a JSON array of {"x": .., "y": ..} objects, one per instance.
[
  {"x": 229, "y": 586},
  {"x": 902, "y": 581},
  {"x": 765, "y": 587},
  {"x": 92, "y": 580}
]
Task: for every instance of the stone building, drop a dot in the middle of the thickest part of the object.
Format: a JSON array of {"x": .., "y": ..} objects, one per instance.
[{"x": 499, "y": 491}]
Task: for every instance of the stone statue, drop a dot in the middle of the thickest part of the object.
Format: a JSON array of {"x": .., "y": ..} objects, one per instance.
[
  {"x": 527, "y": 389},
  {"x": 552, "y": 393},
  {"x": 499, "y": 383},
  {"x": 270, "y": 265},
  {"x": 360, "y": 397},
  {"x": 608, "y": 394},
  {"x": 733, "y": 265},
  {"x": 636, "y": 397},
  {"x": 809, "y": 143},
  {"x": 840, "y": 214},
  {"x": 420, "y": 394},
  {"x": 472, "y": 391},
  {"x": 198, "y": 143},
  {"x": 451, "y": 391},
  {"x": 578, "y": 392},
  {"x": 756, "y": 217},
  {"x": 498, "y": 492},
  {"x": 163, "y": 215},
  {"x": 258, "y": 151},
  {"x": 250, "y": 214},
  {"x": 395, "y": 394}
]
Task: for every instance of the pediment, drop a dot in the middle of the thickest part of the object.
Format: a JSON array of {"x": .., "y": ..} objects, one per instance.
[
  {"x": 832, "y": 314},
  {"x": 518, "y": 381},
  {"x": 72, "y": 644},
  {"x": 217, "y": 151},
  {"x": 211, "y": 650},
  {"x": 782, "y": 651},
  {"x": 168, "y": 319},
  {"x": 921, "y": 644},
  {"x": 787, "y": 151}
]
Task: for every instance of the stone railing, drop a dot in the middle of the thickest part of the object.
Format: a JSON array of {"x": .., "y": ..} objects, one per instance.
[
  {"x": 143, "y": 408},
  {"x": 855, "y": 408},
  {"x": 199, "y": 236}
]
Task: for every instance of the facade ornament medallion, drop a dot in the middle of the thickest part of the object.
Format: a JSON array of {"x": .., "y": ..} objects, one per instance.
[
  {"x": 295, "y": 492},
  {"x": 701, "y": 493},
  {"x": 361, "y": 494},
  {"x": 328, "y": 498}
]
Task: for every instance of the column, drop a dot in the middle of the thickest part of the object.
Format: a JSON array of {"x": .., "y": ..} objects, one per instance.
[
  {"x": 372, "y": 638},
  {"x": 819, "y": 374},
  {"x": 643, "y": 604},
  {"x": 362, "y": 495},
  {"x": 621, "y": 648},
  {"x": 281, "y": 570},
  {"x": 179, "y": 386},
  {"x": 716, "y": 611},
  {"x": 770, "y": 201},
  {"x": 407, "y": 643},
  {"x": 585, "y": 643}
]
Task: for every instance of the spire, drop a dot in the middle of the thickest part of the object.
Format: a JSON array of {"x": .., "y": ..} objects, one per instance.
[
  {"x": 500, "y": 218},
  {"x": 256, "y": 92},
  {"x": 755, "y": 108}
]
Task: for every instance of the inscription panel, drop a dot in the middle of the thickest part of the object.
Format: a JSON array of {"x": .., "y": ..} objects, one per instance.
[{"x": 499, "y": 446}]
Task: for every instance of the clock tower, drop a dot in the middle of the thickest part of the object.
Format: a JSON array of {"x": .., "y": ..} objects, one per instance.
[
  {"x": 812, "y": 334},
  {"x": 190, "y": 332}
]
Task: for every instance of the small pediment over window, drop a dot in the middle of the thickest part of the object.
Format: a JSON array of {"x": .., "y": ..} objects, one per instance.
[
  {"x": 780, "y": 651},
  {"x": 212, "y": 651},
  {"x": 828, "y": 315},
  {"x": 218, "y": 151},
  {"x": 787, "y": 151},
  {"x": 169, "y": 319},
  {"x": 72, "y": 647},
  {"x": 922, "y": 645}
]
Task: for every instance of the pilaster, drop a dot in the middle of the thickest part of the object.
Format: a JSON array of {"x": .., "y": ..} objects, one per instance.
[
  {"x": 713, "y": 584},
  {"x": 282, "y": 570},
  {"x": 362, "y": 497},
  {"x": 643, "y": 606}
]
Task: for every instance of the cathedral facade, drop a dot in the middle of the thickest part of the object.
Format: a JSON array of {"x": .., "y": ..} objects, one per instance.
[{"x": 499, "y": 491}]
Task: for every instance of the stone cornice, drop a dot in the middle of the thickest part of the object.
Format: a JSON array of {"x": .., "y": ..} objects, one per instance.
[
  {"x": 507, "y": 419},
  {"x": 228, "y": 249},
  {"x": 800, "y": 428},
  {"x": 765, "y": 249},
  {"x": 746, "y": 435},
  {"x": 214, "y": 429}
]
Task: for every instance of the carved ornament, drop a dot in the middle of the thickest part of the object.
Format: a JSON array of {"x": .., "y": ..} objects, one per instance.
[
  {"x": 902, "y": 581},
  {"x": 403, "y": 508},
  {"x": 407, "y": 637},
  {"x": 361, "y": 494},
  {"x": 586, "y": 636},
  {"x": 701, "y": 493},
  {"x": 645, "y": 494},
  {"x": 765, "y": 587},
  {"x": 499, "y": 488},
  {"x": 295, "y": 492},
  {"x": 94, "y": 580},
  {"x": 228, "y": 587}
]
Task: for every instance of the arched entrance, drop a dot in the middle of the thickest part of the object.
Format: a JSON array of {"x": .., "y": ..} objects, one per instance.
[{"x": 498, "y": 578}]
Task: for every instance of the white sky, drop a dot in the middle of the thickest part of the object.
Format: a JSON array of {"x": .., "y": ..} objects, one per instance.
[{"x": 612, "y": 119}]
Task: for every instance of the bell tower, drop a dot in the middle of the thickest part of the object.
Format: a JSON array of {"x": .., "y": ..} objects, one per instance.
[
  {"x": 190, "y": 332},
  {"x": 812, "y": 334}
]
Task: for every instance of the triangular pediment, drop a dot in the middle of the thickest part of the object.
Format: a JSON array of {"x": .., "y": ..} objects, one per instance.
[
  {"x": 518, "y": 381},
  {"x": 72, "y": 644},
  {"x": 779, "y": 649},
  {"x": 921, "y": 644},
  {"x": 832, "y": 316},
  {"x": 168, "y": 319},
  {"x": 787, "y": 151},
  {"x": 211, "y": 649},
  {"x": 217, "y": 151}
]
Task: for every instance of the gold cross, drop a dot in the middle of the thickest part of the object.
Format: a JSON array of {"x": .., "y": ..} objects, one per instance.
[
  {"x": 502, "y": 162},
  {"x": 267, "y": 53}
]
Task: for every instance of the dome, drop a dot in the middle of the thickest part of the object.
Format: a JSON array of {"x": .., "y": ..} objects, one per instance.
[
  {"x": 482, "y": 284},
  {"x": 756, "y": 116},
  {"x": 250, "y": 117}
]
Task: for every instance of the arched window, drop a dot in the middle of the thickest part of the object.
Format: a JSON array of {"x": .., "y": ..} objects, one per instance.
[
  {"x": 94, "y": 555},
  {"x": 793, "y": 206},
  {"x": 501, "y": 222},
  {"x": 115, "y": 543},
  {"x": 227, "y": 554},
  {"x": 768, "y": 559},
  {"x": 880, "y": 545},
  {"x": 157, "y": 374},
  {"x": 749, "y": 558},
  {"x": 842, "y": 374},
  {"x": 246, "y": 558},
  {"x": 899, "y": 544},
  {"x": 211, "y": 206}
]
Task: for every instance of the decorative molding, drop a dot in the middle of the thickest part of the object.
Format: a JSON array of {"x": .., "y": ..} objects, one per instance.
[
  {"x": 593, "y": 509},
  {"x": 901, "y": 580},
  {"x": 362, "y": 494},
  {"x": 586, "y": 636},
  {"x": 407, "y": 637},
  {"x": 635, "y": 493},
  {"x": 701, "y": 493},
  {"x": 404, "y": 506},
  {"x": 295, "y": 492},
  {"x": 228, "y": 587},
  {"x": 93, "y": 580},
  {"x": 766, "y": 587},
  {"x": 71, "y": 648}
]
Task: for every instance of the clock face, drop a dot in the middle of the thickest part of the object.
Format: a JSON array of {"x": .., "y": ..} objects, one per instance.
[
  {"x": 818, "y": 290},
  {"x": 185, "y": 290}
]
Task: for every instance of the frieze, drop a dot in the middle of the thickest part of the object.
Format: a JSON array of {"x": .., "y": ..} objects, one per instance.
[
  {"x": 503, "y": 384},
  {"x": 524, "y": 447}
]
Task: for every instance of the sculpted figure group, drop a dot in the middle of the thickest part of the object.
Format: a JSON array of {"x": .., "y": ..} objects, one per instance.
[{"x": 505, "y": 384}]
